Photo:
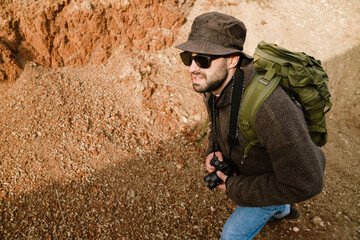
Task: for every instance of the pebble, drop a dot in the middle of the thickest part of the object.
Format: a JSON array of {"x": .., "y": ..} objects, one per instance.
[
  {"x": 180, "y": 166},
  {"x": 316, "y": 220},
  {"x": 296, "y": 229},
  {"x": 131, "y": 193}
]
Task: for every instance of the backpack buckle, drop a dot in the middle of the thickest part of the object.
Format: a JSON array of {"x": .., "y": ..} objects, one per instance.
[
  {"x": 268, "y": 76},
  {"x": 245, "y": 125},
  {"x": 264, "y": 81}
]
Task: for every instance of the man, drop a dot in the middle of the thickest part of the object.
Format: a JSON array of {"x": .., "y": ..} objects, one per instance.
[{"x": 287, "y": 168}]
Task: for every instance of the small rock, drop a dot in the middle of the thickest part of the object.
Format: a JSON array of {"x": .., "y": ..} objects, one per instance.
[
  {"x": 179, "y": 165},
  {"x": 316, "y": 220},
  {"x": 33, "y": 64},
  {"x": 296, "y": 229},
  {"x": 131, "y": 193}
]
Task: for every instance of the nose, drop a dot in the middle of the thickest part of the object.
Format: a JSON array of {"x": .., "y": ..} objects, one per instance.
[{"x": 194, "y": 67}]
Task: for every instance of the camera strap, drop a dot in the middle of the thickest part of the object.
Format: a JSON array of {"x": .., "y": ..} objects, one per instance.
[
  {"x": 213, "y": 120},
  {"x": 235, "y": 101},
  {"x": 237, "y": 92}
]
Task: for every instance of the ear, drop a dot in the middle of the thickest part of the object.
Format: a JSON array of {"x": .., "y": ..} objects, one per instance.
[{"x": 233, "y": 60}]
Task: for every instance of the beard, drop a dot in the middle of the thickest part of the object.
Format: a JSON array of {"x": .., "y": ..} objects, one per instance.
[{"x": 211, "y": 82}]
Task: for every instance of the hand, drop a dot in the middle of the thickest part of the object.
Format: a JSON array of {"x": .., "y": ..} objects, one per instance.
[
  {"x": 223, "y": 177},
  {"x": 208, "y": 166}
]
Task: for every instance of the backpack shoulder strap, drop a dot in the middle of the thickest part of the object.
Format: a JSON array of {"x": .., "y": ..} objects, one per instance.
[{"x": 255, "y": 94}]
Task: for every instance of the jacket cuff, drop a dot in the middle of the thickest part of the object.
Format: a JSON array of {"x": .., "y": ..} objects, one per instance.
[{"x": 226, "y": 182}]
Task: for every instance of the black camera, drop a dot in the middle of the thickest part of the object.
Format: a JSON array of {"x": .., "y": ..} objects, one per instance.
[{"x": 212, "y": 180}]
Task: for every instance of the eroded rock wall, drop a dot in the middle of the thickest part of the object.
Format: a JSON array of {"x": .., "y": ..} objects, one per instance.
[{"x": 75, "y": 33}]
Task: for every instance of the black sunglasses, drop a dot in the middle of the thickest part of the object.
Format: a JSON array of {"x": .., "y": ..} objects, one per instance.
[{"x": 203, "y": 61}]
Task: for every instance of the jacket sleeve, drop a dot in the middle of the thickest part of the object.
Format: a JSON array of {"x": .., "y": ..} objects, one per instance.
[{"x": 298, "y": 164}]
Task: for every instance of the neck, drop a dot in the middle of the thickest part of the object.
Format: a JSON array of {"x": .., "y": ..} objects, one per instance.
[{"x": 218, "y": 91}]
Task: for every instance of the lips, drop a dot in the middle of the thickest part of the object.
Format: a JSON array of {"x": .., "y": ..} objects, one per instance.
[{"x": 197, "y": 78}]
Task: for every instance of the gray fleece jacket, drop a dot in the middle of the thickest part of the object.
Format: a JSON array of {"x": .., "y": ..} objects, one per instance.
[{"x": 288, "y": 168}]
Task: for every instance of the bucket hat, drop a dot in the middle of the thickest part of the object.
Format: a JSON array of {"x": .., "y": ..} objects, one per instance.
[{"x": 216, "y": 33}]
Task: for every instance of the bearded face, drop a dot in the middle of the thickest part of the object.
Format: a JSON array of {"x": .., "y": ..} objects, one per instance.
[{"x": 210, "y": 79}]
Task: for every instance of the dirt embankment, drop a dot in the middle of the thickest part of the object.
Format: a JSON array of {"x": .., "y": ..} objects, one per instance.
[
  {"x": 107, "y": 105},
  {"x": 98, "y": 122},
  {"x": 75, "y": 33}
]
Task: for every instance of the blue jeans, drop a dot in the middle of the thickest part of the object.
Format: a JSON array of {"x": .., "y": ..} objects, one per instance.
[{"x": 246, "y": 222}]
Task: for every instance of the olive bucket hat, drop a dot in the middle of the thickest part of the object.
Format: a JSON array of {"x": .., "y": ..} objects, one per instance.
[{"x": 216, "y": 33}]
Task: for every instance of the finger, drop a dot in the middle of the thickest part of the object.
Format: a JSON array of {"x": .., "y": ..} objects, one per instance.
[
  {"x": 210, "y": 169},
  {"x": 222, "y": 186},
  {"x": 221, "y": 175},
  {"x": 220, "y": 157}
]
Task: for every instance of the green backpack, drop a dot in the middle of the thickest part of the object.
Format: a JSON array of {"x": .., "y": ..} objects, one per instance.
[{"x": 303, "y": 79}]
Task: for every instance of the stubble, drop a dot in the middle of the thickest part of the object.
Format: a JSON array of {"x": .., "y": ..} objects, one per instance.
[{"x": 211, "y": 82}]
